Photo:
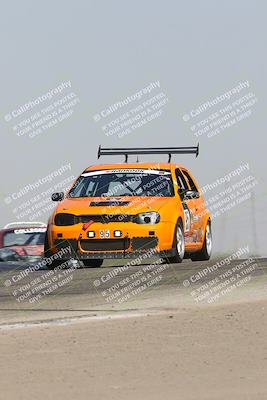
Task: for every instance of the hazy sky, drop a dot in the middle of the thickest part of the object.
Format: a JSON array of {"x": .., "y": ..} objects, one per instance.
[{"x": 110, "y": 50}]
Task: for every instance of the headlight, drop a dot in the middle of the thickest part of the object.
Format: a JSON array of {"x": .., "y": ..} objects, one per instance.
[
  {"x": 64, "y": 219},
  {"x": 147, "y": 218}
]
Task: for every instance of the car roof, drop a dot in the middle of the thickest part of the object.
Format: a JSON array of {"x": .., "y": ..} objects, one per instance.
[
  {"x": 23, "y": 225},
  {"x": 137, "y": 165}
]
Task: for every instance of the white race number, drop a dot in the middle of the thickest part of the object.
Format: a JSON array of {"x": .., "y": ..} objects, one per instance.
[{"x": 104, "y": 234}]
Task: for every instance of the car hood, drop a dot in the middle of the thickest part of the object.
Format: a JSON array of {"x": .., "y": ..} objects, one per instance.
[{"x": 114, "y": 205}]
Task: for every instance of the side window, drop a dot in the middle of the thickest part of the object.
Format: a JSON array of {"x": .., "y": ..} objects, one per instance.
[
  {"x": 182, "y": 183},
  {"x": 191, "y": 183}
]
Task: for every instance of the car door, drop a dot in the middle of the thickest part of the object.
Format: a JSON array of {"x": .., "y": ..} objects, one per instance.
[
  {"x": 188, "y": 205},
  {"x": 198, "y": 207}
]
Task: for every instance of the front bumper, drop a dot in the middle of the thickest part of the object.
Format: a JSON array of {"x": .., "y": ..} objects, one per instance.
[
  {"x": 117, "y": 255},
  {"x": 136, "y": 239},
  {"x": 72, "y": 249}
]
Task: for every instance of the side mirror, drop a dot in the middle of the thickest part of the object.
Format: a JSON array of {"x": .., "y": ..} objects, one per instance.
[
  {"x": 181, "y": 193},
  {"x": 191, "y": 194},
  {"x": 58, "y": 196}
]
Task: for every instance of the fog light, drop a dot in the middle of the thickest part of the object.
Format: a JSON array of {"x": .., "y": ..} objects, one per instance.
[
  {"x": 117, "y": 233},
  {"x": 91, "y": 234}
]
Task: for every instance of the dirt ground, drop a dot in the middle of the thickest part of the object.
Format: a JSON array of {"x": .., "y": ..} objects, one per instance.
[{"x": 203, "y": 353}]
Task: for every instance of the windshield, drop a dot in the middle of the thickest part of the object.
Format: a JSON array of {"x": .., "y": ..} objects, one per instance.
[
  {"x": 126, "y": 182},
  {"x": 19, "y": 237}
]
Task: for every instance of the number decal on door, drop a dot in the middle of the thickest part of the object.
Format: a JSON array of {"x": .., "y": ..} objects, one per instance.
[{"x": 187, "y": 220}]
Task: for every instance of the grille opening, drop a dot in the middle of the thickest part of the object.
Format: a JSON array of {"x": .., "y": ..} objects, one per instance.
[
  {"x": 144, "y": 243},
  {"x": 105, "y": 244}
]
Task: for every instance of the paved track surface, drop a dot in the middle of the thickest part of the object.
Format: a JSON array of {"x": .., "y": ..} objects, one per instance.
[{"x": 84, "y": 292}]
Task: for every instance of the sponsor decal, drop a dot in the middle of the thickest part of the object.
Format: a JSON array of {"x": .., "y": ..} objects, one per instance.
[
  {"x": 126, "y": 171},
  {"x": 29, "y": 230}
]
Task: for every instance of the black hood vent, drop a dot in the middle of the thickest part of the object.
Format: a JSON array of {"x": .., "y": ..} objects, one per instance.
[
  {"x": 105, "y": 218},
  {"x": 109, "y": 203}
]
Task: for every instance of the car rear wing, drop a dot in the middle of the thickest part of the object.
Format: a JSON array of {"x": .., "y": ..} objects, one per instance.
[
  {"x": 28, "y": 223},
  {"x": 127, "y": 151}
]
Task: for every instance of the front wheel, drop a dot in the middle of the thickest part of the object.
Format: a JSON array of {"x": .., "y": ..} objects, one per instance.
[
  {"x": 93, "y": 263},
  {"x": 54, "y": 264},
  {"x": 50, "y": 263},
  {"x": 205, "y": 253},
  {"x": 179, "y": 245}
]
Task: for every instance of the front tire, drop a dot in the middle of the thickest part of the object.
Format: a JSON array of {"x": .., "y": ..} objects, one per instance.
[
  {"x": 205, "y": 253},
  {"x": 179, "y": 245},
  {"x": 93, "y": 263},
  {"x": 55, "y": 264},
  {"x": 47, "y": 254}
]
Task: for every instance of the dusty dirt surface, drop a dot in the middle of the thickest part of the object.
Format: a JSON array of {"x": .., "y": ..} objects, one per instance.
[
  {"x": 205, "y": 353},
  {"x": 180, "y": 338}
]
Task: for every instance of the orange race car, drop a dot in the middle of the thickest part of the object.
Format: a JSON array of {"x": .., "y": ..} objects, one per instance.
[{"x": 124, "y": 210}]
